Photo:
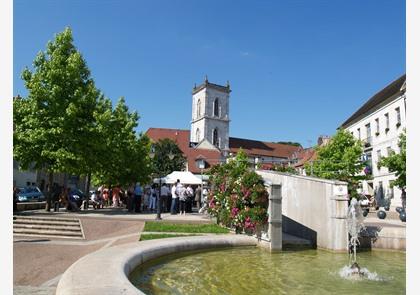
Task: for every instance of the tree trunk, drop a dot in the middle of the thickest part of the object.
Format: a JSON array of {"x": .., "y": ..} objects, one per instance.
[
  {"x": 49, "y": 193},
  {"x": 87, "y": 186}
]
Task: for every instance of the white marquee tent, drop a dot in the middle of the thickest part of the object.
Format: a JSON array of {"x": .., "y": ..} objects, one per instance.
[{"x": 185, "y": 177}]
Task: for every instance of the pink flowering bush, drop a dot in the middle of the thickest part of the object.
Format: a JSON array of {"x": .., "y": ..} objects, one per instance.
[{"x": 238, "y": 199}]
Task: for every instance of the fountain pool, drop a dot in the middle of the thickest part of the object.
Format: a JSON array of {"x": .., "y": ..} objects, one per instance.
[{"x": 251, "y": 270}]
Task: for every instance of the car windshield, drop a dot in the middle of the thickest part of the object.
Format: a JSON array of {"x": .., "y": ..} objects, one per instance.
[
  {"x": 26, "y": 190},
  {"x": 77, "y": 192}
]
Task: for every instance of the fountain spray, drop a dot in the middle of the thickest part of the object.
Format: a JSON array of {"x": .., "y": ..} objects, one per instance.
[{"x": 354, "y": 227}]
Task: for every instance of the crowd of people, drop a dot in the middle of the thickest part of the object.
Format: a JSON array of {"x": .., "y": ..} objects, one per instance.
[{"x": 176, "y": 198}]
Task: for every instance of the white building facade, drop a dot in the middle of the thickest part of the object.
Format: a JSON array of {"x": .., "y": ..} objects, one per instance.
[
  {"x": 210, "y": 115},
  {"x": 378, "y": 124}
]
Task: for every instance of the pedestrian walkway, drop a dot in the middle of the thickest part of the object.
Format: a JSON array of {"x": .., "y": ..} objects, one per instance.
[
  {"x": 120, "y": 213},
  {"x": 39, "y": 262}
]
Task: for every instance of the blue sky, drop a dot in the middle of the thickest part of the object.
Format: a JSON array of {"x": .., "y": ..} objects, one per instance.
[{"x": 297, "y": 69}]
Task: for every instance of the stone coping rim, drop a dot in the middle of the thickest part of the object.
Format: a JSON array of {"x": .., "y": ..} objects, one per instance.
[{"x": 106, "y": 271}]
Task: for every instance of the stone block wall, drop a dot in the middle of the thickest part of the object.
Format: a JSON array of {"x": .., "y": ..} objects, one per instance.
[{"x": 313, "y": 208}]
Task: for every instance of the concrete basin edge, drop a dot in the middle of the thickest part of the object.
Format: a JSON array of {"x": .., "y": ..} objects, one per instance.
[{"x": 106, "y": 271}]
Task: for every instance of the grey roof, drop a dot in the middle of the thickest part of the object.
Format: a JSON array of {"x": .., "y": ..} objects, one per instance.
[
  {"x": 211, "y": 85},
  {"x": 394, "y": 88}
]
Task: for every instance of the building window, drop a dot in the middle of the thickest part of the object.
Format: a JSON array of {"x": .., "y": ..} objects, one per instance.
[
  {"x": 397, "y": 110},
  {"x": 377, "y": 126},
  {"x": 216, "y": 108},
  {"x": 379, "y": 156},
  {"x": 368, "y": 160},
  {"x": 386, "y": 122},
  {"x": 368, "y": 133},
  {"x": 359, "y": 134},
  {"x": 215, "y": 138},
  {"x": 197, "y": 135},
  {"x": 198, "y": 108}
]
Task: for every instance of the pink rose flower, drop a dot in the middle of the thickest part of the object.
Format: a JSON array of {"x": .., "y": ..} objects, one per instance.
[{"x": 234, "y": 211}]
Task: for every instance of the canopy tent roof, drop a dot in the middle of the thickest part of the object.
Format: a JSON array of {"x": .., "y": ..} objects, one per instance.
[{"x": 185, "y": 177}]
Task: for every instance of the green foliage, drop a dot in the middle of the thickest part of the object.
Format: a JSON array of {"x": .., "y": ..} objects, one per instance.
[
  {"x": 152, "y": 226},
  {"x": 66, "y": 125},
  {"x": 340, "y": 160},
  {"x": 124, "y": 154},
  {"x": 397, "y": 162},
  {"x": 53, "y": 125},
  {"x": 285, "y": 169},
  {"x": 161, "y": 163},
  {"x": 238, "y": 198}
]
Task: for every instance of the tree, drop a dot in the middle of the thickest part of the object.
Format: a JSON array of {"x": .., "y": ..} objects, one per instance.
[
  {"x": 161, "y": 163},
  {"x": 54, "y": 124},
  {"x": 340, "y": 159},
  {"x": 397, "y": 162},
  {"x": 124, "y": 153}
]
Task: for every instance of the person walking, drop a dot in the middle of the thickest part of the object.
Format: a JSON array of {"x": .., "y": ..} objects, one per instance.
[
  {"x": 403, "y": 198},
  {"x": 379, "y": 196},
  {"x": 15, "y": 198},
  {"x": 138, "y": 192},
  {"x": 182, "y": 192},
  {"x": 204, "y": 205},
  {"x": 190, "y": 199},
  {"x": 71, "y": 201},
  {"x": 197, "y": 198},
  {"x": 106, "y": 196},
  {"x": 174, "y": 195},
  {"x": 153, "y": 198},
  {"x": 116, "y": 197},
  {"x": 165, "y": 198},
  {"x": 56, "y": 196},
  {"x": 130, "y": 198}
]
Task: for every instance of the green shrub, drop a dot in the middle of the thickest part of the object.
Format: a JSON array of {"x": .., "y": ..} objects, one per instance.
[{"x": 238, "y": 198}]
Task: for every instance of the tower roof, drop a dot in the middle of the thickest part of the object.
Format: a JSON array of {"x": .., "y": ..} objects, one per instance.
[{"x": 207, "y": 84}]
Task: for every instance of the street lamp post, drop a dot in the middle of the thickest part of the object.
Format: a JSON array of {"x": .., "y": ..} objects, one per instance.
[
  {"x": 201, "y": 164},
  {"x": 171, "y": 157}
]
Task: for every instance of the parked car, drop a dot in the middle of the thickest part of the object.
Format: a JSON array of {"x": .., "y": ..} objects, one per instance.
[
  {"x": 367, "y": 201},
  {"x": 30, "y": 194},
  {"x": 78, "y": 195}
]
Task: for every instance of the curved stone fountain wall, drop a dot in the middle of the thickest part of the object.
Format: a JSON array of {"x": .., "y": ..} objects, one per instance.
[{"x": 106, "y": 271}]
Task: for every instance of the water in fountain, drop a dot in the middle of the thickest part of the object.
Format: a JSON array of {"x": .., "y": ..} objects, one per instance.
[{"x": 354, "y": 227}]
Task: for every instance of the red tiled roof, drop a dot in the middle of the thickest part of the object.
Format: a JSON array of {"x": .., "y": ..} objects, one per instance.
[
  {"x": 267, "y": 166},
  {"x": 262, "y": 148},
  {"x": 212, "y": 157},
  {"x": 182, "y": 138},
  {"x": 305, "y": 156}
]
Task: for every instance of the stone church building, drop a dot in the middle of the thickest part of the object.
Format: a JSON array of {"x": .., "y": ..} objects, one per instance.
[{"x": 208, "y": 139}]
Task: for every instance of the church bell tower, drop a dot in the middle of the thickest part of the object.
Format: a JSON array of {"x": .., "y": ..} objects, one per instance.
[{"x": 210, "y": 114}]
